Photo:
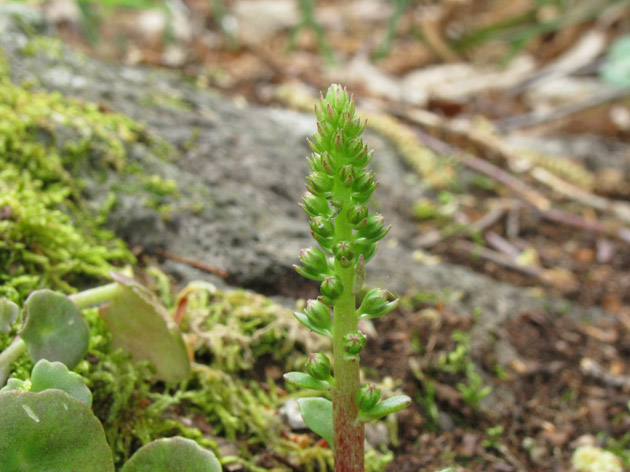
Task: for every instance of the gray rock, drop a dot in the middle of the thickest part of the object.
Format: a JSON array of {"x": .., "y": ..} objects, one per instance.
[{"x": 291, "y": 415}]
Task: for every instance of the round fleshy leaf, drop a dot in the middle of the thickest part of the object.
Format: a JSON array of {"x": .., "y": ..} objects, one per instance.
[
  {"x": 318, "y": 416},
  {"x": 15, "y": 384},
  {"x": 167, "y": 455},
  {"x": 54, "y": 329},
  {"x": 51, "y": 431},
  {"x": 141, "y": 326},
  {"x": 8, "y": 314},
  {"x": 46, "y": 375}
]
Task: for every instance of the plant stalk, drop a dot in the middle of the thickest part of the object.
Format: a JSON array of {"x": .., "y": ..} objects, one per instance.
[
  {"x": 10, "y": 355},
  {"x": 96, "y": 295},
  {"x": 349, "y": 437}
]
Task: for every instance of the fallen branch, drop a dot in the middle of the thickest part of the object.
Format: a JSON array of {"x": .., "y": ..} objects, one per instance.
[
  {"x": 194, "y": 263},
  {"x": 523, "y": 190},
  {"x": 620, "y": 209},
  {"x": 499, "y": 258},
  {"x": 528, "y": 120},
  {"x": 571, "y": 219},
  {"x": 434, "y": 236}
]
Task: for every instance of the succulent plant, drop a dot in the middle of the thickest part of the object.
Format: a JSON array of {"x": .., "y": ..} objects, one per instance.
[{"x": 338, "y": 190}]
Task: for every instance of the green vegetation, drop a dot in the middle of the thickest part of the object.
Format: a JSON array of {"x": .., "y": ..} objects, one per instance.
[
  {"x": 50, "y": 236},
  {"x": 53, "y": 237}
]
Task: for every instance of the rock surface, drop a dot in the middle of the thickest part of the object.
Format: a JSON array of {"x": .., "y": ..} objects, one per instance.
[{"x": 241, "y": 172}]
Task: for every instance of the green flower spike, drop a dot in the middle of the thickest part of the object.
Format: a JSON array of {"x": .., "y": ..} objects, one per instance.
[{"x": 338, "y": 190}]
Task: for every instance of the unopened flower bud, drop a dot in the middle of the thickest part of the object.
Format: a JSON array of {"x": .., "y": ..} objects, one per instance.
[
  {"x": 314, "y": 205},
  {"x": 319, "y": 113},
  {"x": 357, "y": 127},
  {"x": 318, "y": 366},
  {"x": 328, "y": 164},
  {"x": 361, "y": 198},
  {"x": 318, "y": 314},
  {"x": 331, "y": 114},
  {"x": 376, "y": 303},
  {"x": 322, "y": 226},
  {"x": 366, "y": 248},
  {"x": 315, "y": 162},
  {"x": 317, "y": 144},
  {"x": 356, "y": 214},
  {"x": 346, "y": 122},
  {"x": 353, "y": 343},
  {"x": 331, "y": 287},
  {"x": 364, "y": 157},
  {"x": 346, "y": 174},
  {"x": 325, "y": 128},
  {"x": 345, "y": 262},
  {"x": 363, "y": 181},
  {"x": 320, "y": 183},
  {"x": 374, "y": 227},
  {"x": 355, "y": 148},
  {"x": 314, "y": 260},
  {"x": 374, "y": 299},
  {"x": 344, "y": 249},
  {"x": 339, "y": 140},
  {"x": 367, "y": 397}
]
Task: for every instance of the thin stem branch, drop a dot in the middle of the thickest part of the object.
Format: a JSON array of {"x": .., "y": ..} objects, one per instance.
[
  {"x": 10, "y": 355},
  {"x": 95, "y": 296},
  {"x": 527, "y": 193}
]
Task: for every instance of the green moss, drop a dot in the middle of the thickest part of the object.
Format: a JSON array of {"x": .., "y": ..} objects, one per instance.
[
  {"x": 49, "y": 235},
  {"x": 162, "y": 100},
  {"x": 236, "y": 328},
  {"x": 40, "y": 245},
  {"x": 47, "y": 45},
  {"x": 4, "y": 67}
]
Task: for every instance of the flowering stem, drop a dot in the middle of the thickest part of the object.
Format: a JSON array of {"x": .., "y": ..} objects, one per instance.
[
  {"x": 338, "y": 189},
  {"x": 349, "y": 436}
]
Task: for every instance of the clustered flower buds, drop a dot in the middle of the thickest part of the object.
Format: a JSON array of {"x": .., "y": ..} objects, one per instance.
[
  {"x": 314, "y": 264},
  {"x": 338, "y": 190},
  {"x": 368, "y": 396},
  {"x": 377, "y": 303},
  {"x": 354, "y": 342},
  {"x": 318, "y": 366},
  {"x": 319, "y": 314}
]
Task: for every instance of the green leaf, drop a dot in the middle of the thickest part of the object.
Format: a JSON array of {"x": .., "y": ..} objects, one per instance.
[
  {"x": 51, "y": 431},
  {"x": 386, "y": 407},
  {"x": 141, "y": 326},
  {"x": 8, "y": 314},
  {"x": 46, "y": 375},
  {"x": 302, "y": 380},
  {"x": 318, "y": 415},
  {"x": 54, "y": 329},
  {"x": 167, "y": 455},
  {"x": 302, "y": 318}
]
